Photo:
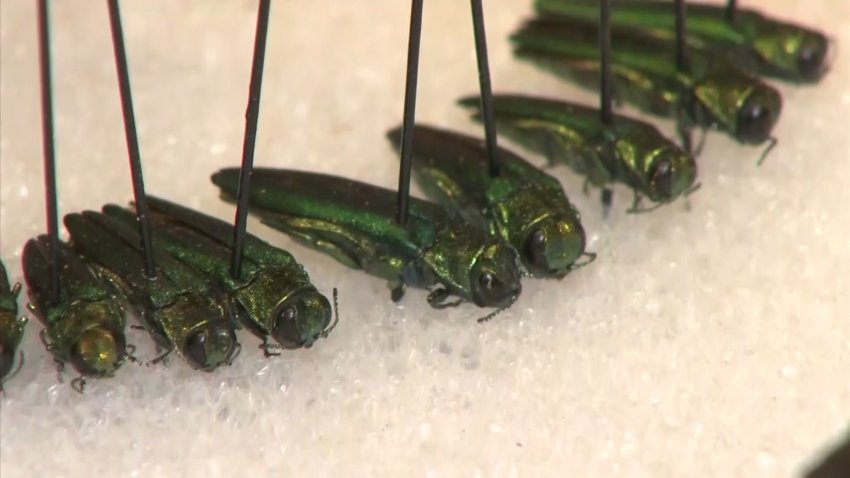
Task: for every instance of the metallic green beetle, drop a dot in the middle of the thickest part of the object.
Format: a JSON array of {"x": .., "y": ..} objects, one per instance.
[
  {"x": 751, "y": 41},
  {"x": 524, "y": 205},
  {"x": 85, "y": 326},
  {"x": 273, "y": 297},
  {"x": 11, "y": 326},
  {"x": 179, "y": 307},
  {"x": 629, "y": 151},
  {"x": 711, "y": 93},
  {"x": 356, "y": 224}
]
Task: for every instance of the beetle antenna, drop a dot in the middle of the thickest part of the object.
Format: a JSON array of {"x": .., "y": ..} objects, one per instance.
[
  {"x": 486, "y": 88},
  {"x": 496, "y": 312},
  {"x": 770, "y": 145},
  {"x": 48, "y": 145},
  {"x": 132, "y": 138},
  {"x": 325, "y": 332},
  {"x": 251, "y": 118},
  {"x": 409, "y": 110}
]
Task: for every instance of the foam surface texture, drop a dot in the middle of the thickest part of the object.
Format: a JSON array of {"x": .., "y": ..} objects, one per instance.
[{"x": 709, "y": 341}]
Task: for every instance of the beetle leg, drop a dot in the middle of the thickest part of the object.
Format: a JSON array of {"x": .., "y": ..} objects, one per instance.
[
  {"x": 161, "y": 358},
  {"x": 235, "y": 354},
  {"x": 437, "y": 299},
  {"x": 771, "y": 143},
  {"x": 129, "y": 354},
  {"x": 265, "y": 346},
  {"x": 43, "y": 337},
  {"x": 636, "y": 207},
  {"x": 606, "y": 197},
  {"x": 589, "y": 257},
  {"x": 79, "y": 384},
  {"x": 397, "y": 290}
]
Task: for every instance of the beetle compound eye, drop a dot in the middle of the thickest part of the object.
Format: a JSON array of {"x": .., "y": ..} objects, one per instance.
[
  {"x": 755, "y": 121},
  {"x": 810, "y": 59},
  {"x": 286, "y": 330},
  {"x": 662, "y": 179},
  {"x": 486, "y": 280},
  {"x": 535, "y": 250},
  {"x": 491, "y": 290},
  {"x": 196, "y": 349}
]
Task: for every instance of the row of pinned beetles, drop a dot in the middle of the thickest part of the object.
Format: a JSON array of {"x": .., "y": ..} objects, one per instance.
[{"x": 492, "y": 217}]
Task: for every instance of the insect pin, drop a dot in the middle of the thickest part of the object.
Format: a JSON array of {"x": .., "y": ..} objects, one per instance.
[
  {"x": 179, "y": 307},
  {"x": 708, "y": 93},
  {"x": 744, "y": 37},
  {"x": 356, "y": 224},
  {"x": 85, "y": 326},
  {"x": 273, "y": 296},
  {"x": 523, "y": 205},
  {"x": 628, "y": 151},
  {"x": 11, "y": 326}
]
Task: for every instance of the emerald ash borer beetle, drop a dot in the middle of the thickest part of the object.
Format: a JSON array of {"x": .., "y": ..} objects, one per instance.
[
  {"x": 750, "y": 39},
  {"x": 628, "y": 151},
  {"x": 85, "y": 326},
  {"x": 273, "y": 296},
  {"x": 709, "y": 93},
  {"x": 522, "y": 204},
  {"x": 179, "y": 306},
  {"x": 11, "y": 326},
  {"x": 356, "y": 224}
]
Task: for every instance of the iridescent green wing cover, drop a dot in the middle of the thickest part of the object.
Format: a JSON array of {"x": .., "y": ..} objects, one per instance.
[
  {"x": 355, "y": 223},
  {"x": 11, "y": 326},
  {"x": 643, "y": 159},
  {"x": 711, "y": 93},
  {"x": 752, "y": 41},
  {"x": 179, "y": 306},
  {"x": 524, "y": 205},
  {"x": 86, "y": 324},
  {"x": 256, "y": 249},
  {"x": 273, "y": 296},
  {"x": 354, "y": 218}
]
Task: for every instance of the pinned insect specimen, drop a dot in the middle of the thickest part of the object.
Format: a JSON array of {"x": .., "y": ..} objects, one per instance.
[
  {"x": 523, "y": 205},
  {"x": 356, "y": 224},
  {"x": 85, "y": 325},
  {"x": 748, "y": 39},
  {"x": 628, "y": 151},
  {"x": 11, "y": 326},
  {"x": 709, "y": 93},
  {"x": 273, "y": 296},
  {"x": 179, "y": 307}
]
